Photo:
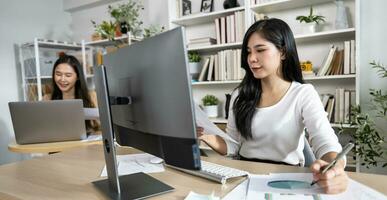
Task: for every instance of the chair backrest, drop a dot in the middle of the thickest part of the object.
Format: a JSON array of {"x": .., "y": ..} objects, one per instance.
[{"x": 308, "y": 154}]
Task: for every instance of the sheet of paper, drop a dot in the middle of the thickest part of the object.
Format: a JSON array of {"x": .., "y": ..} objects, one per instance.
[
  {"x": 91, "y": 113},
  {"x": 134, "y": 163},
  {"x": 93, "y": 138},
  {"x": 259, "y": 184},
  {"x": 196, "y": 196},
  {"x": 357, "y": 191},
  {"x": 239, "y": 192},
  {"x": 209, "y": 127},
  {"x": 258, "y": 189}
]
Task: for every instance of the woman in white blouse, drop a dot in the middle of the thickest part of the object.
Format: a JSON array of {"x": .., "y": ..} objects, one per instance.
[{"x": 272, "y": 106}]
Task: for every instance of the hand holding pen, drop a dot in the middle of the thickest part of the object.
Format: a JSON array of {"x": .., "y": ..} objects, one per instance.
[{"x": 331, "y": 176}]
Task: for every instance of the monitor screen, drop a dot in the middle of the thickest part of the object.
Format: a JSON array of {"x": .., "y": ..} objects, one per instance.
[{"x": 150, "y": 98}]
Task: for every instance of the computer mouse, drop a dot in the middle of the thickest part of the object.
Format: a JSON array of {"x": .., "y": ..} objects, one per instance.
[{"x": 156, "y": 160}]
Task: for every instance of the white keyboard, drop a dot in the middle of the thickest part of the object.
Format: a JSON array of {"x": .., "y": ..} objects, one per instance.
[{"x": 215, "y": 172}]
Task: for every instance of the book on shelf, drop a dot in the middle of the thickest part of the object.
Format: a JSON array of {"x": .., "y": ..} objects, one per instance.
[
  {"x": 352, "y": 57},
  {"x": 336, "y": 67},
  {"x": 210, "y": 73},
  {"x": 222, "y": 66},
  {"x": 330, "y": 108},
  {"x": 327, "y": 61},
  {"x": 204, "y": 69},
  {"x": 347, "y": 56},
  {"x": 347, "y": 105},
  {"x": 344, "y": 100},
  {"x": 324, "y": 99},
  {"x": 230, "y": 28},
  {"x": 200, "y": 42},
  {"x": 217, "y": 31},
  {"x": 223, "y": 30}
]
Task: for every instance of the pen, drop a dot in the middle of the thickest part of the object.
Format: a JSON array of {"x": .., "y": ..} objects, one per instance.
[{"x": 340, "y": 155}]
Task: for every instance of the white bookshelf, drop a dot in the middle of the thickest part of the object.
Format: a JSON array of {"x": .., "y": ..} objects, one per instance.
[
  {"x": 278, "y": 5},
  {"x": 310, "y": 46},
  {"x": 326, "y": 35}
]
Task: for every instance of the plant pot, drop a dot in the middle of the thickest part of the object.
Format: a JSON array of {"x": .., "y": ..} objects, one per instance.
[
  {"x": 211, "y": 111},
  {"x": 118, "y": 32},
  {"x": 310, "y": 28},
  {"x": 194, "y": 69}
]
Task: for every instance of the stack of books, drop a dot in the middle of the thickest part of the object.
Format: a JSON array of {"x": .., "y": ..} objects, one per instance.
[
  {"x": 201, "y": 42},
  {"x": 230, "y": 29},
  {"x": 339, "y": 61}
]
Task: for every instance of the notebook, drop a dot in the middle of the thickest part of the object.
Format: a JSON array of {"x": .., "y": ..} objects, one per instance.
[{"x": 48, "y": 121}]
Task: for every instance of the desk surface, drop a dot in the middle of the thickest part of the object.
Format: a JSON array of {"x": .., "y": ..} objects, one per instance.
[
  {"x": 49, "y": 147},
  {"x": 68, "y": 175}
]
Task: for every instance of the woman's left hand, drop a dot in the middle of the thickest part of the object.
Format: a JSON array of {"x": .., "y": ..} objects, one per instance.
[{"x": 333, "y": 181}]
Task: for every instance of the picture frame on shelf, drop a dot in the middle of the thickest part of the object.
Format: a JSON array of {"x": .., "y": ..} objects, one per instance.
[
  {"x": 206, "y": 6},
  {"x": 186, "y": 7}
]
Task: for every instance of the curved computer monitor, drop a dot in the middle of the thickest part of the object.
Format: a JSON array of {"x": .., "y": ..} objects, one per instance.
[{"x": 150, "y": 98}]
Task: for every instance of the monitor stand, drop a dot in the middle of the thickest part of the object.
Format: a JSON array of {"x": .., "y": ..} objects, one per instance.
[{"x": 132, "y": 186}]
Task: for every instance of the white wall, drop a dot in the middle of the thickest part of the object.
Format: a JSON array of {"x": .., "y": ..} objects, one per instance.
[
  {"x": 372, "y": 46},
  {"x": 83, "y": 29},
  {"x": 20, "y": 22}
]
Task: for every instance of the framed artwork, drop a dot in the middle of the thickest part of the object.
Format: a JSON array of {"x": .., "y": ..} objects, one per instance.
[
  {"x": 186, "y": 6},
  {"x": 206, "y": 6}
]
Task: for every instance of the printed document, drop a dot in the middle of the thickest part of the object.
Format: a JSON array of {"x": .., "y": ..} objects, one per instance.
[
  {"x": 209, "y": 127},
  {"x": 134, "y": 163},
  {"x": 258, "y": 187}
]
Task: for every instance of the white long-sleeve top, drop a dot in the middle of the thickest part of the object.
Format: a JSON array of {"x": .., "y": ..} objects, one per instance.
[{"x": 278, "y": 130}]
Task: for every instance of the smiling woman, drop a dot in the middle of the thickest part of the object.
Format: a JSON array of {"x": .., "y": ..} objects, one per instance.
[{"x": 68, "y": 82}]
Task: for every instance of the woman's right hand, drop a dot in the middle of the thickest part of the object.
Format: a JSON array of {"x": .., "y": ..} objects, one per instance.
[
  {"x": 214, "y": 141},
  {"x": 199, "y": 132}
]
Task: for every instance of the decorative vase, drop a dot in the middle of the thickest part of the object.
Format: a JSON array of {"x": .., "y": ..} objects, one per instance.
[
  {"x": 194, "y": 70},
  {"x": 230, "y": 4},
  {"x": 211, "y": 111},
  {"x": 341, "y": 21},
  {"x": 124, "y": 27}
]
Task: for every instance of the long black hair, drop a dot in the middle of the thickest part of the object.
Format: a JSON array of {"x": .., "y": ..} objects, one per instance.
[{"x": 277, "y": 32}]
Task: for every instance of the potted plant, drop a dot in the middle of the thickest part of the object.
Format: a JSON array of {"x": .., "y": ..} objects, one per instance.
[
  {"x": 368, "y": 140},
  {"x": 152, "y": 31},
  {"x": 127, "y": 16},
  {"x": 311, "y": 20},
  {"x": 194, "y": 64},
  {"x": 210, "y": 105},
  {"x": 106, "y": 29}
]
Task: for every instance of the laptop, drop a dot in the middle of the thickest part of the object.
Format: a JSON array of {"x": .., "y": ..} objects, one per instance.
[{"x": 48, "y": 121}]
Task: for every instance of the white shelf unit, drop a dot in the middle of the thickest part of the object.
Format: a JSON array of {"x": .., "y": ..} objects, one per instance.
[
  {"x": 34, "y": 51},
  {"x": 311, "y": 46},
  {"x": 319, "y": 42},
  {"x": 124, "y": 39}
]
